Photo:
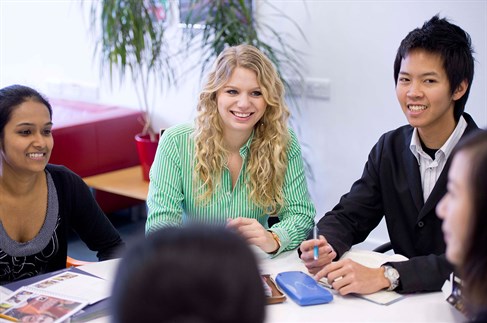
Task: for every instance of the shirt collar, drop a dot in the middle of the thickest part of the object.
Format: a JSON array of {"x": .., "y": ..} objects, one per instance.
[
  {"x": 245, "y": 148},
  {"x": 446, "y": 149}
]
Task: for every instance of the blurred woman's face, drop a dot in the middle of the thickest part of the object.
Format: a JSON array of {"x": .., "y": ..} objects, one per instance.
[{"x": 456, "y": 208}]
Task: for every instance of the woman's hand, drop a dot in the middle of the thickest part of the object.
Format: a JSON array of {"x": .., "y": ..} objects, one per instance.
[{"x": 252, "y": 231}]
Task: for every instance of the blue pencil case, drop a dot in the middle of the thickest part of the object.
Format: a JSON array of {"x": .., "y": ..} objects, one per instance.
[{"x": 303, "y": 289}]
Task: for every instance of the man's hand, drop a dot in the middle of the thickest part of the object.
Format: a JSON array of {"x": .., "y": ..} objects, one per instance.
[
  {"x": 347, "y": 276},
  {"x": 325, "y": 254}
]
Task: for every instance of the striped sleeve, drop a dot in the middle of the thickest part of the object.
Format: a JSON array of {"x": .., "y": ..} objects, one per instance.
[
  {"x": 165, "y": 197},
  {"x": 297, "y": 215}
]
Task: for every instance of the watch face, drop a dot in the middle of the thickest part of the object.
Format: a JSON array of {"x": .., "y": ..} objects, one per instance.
[
  {"x": 393, "y": 276},
  {"x": 392, "y": 273}
]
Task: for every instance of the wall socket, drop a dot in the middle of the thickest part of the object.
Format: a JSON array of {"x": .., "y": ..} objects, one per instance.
[{"x": 317, "y": 88}]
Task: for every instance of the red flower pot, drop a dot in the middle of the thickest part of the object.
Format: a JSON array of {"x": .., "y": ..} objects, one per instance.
[{"x": 147, "y": 151}]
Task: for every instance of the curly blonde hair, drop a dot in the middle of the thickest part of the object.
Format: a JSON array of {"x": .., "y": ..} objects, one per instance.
[{"x": 268, "y": 151}]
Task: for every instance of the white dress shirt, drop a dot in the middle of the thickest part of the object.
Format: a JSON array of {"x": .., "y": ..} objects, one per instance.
[{"x": 431, "y": 169}]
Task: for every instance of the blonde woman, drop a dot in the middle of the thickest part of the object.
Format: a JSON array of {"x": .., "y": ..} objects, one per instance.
[{"x": 239, "y": 163}]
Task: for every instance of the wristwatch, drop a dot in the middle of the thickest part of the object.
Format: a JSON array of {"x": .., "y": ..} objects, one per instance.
[
  {"x": 392, "y": 275},
  {"x": 276, "y": 238}
]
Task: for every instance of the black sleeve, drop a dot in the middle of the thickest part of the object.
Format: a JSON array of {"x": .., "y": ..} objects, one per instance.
[
  {"x": 359, "y": 211},
  {"x": 422, "y": 273},
  {"x": 86, "y": 217}
]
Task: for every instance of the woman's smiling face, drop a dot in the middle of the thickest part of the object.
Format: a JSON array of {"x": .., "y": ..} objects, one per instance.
[
  {"x": 27, "y": 141},
  {"x": 240, "y": 102}
]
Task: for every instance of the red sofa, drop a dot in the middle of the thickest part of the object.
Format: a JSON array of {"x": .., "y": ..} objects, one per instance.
[{"x": 91, "y": 139}]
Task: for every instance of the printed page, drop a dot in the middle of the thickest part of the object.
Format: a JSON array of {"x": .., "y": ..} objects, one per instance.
[
  {"x": 371, "y": 258},
  {"x": 4, "y": 293},
  {"x": 74, "y": 284},
  {"x": 31, "y": 305},
  {"x": 103, "y": 269},
  {"x": 382, "y": 297}
]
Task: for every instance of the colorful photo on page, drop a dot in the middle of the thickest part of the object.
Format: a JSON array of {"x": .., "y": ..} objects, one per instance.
[{"x": 26, "y": 306}]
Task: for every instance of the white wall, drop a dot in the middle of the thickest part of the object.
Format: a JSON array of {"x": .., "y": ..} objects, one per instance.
[{"x": 351, "y": 43}]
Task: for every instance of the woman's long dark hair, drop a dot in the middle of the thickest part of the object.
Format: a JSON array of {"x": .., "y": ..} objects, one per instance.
[{"x": 473, "y": 269}]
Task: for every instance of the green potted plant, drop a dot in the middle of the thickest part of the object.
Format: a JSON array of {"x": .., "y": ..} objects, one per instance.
[
  {"x": 132, "y": 37},
  {"x": 132, "y": 43},
  {"x": 215, "y": 24}
]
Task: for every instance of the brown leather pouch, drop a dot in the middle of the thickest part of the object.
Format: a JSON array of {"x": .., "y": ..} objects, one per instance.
[{"x": 277, "y": 295}]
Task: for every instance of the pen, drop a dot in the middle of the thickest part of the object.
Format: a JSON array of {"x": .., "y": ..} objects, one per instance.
[
  {"x": 8, "y": 318},
  {"x": 315, "y": 249}
]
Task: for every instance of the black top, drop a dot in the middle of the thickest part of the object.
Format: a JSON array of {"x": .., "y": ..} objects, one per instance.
[{"x": 70, "y": 206}]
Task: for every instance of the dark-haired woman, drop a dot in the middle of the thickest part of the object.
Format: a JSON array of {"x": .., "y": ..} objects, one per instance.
[{"x": 40, "y": 203}]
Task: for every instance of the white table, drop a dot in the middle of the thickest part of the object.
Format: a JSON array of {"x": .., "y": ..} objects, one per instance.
[{"x": 426, "y": 307}]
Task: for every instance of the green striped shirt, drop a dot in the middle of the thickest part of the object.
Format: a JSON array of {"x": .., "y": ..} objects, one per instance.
[{"x": 172, "y": 200}]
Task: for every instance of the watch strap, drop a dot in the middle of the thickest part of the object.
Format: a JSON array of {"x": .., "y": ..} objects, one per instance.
[{"x": 276, "y": 238}]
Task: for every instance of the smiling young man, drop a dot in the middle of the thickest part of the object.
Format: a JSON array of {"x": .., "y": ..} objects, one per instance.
[{"x": 406, "y": 172}]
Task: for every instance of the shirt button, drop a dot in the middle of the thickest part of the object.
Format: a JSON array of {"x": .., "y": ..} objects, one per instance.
[{"x": 420, "y": 224}]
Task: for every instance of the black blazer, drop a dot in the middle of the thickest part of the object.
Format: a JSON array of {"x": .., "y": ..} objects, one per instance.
[{"x": 390, "y": 186}]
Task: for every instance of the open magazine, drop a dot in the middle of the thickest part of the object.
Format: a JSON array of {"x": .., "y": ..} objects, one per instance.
[
  {"x": 33, "y": 305},
  {"x": 373, "y": 259},
  {"x": 55, "y": 298}
]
